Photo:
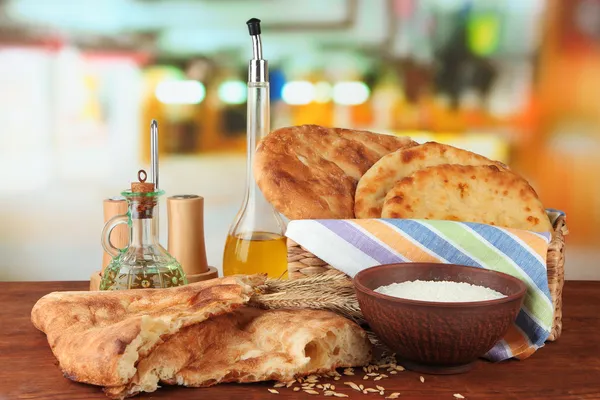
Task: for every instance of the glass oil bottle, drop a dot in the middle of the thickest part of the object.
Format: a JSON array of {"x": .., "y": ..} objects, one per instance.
[{"x": 256, "y": 242}]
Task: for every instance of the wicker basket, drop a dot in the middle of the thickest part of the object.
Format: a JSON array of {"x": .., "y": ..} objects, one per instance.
[{"x": 302, "y": 263}]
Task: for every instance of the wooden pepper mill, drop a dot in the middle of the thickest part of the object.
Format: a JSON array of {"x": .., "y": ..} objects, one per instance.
[{"x": 186, "y": 236}]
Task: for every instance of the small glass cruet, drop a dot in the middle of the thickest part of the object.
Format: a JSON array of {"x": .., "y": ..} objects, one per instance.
[{"x": 144, "y": 263}]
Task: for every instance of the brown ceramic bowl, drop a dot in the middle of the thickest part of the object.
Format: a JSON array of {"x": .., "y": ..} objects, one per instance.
[{"x": 438, "y": 337}]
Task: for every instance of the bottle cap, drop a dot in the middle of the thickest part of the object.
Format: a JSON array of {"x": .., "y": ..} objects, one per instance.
[{"x": 253, "y": 26}]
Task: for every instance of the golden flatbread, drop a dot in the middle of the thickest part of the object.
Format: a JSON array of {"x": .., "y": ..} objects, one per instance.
[
  {"x": 483, "y": 194},
  {"x": 97, "y": 337},
  {"x": 251, "y": 345},
  {"x": 311, "y": 172},
  {"x": 391, "y": 168}
]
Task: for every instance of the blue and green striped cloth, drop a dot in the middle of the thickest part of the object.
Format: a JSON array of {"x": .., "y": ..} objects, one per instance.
[{"x": 353, "y": 245}]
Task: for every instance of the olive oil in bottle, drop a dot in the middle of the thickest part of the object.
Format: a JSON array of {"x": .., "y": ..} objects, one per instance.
[
  {"x": 256, "y": 252},
  {"x": 256, "y": 241}
]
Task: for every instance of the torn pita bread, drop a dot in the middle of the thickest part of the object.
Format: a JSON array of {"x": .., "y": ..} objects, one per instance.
[
  {"x": 251, "y": 345},
  {"x": 98, "y": 337}
]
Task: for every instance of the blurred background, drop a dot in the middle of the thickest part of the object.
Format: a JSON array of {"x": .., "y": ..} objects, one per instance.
[{"x": 516, "y": 80}]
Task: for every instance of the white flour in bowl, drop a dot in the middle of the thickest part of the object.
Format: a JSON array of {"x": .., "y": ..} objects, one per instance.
[{"x": 443, "y": 291}]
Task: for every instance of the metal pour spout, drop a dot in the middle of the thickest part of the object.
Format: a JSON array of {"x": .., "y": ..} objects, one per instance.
[
  {"x": 258, "y": 68},
  {"x": 254, "y": 30},
  {"x": 154, "y": 153}
]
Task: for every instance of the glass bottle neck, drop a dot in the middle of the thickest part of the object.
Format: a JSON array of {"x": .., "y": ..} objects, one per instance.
[
  {"x": 143, "y": 212},
  {"x": 256, "y": 213},
  {"x": 144, "y": 232},
  {"x": 258, "y": 127}
]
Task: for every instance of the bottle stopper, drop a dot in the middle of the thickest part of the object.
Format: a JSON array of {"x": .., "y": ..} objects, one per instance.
[
  {"x": 142, "y": 186},
  {"x": 145, "y": 204}
]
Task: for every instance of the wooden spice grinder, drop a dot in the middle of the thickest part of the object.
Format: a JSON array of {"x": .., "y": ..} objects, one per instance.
[{"x": 186, "y": 236}]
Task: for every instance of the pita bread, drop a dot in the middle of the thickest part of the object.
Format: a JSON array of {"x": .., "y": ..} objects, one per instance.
[
  {"x": 391, "y": 168},
  {"x": 97, "y": 337},
  {"x": 311, "y": 172},
  {"x": 251, "y": 345},
  {"x": 483, "y": 194}
]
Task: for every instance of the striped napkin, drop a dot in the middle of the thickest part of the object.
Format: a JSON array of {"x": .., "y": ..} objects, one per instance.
[{"x": 353, "y": 245}]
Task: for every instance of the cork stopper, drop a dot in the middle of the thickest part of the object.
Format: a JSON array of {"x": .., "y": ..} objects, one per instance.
[
  {"x": 142, "y": 186},
  {"x": 144, "y": 199}
]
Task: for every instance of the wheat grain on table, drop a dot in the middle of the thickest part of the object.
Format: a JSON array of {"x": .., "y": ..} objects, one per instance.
[{"x": 566, "y": 369}]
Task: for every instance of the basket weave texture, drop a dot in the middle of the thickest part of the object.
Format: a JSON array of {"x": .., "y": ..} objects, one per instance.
[{"x": 302, "y": 264}]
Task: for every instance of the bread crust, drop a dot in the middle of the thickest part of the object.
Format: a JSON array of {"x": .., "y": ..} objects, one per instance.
[
  {"x": 391, "y": 168},
  {"x": 251, "y": 345},
  {"x": 311, "y": 172},
  {"x": 197, "y": 335},
  {"x": 483, "y": 194}
]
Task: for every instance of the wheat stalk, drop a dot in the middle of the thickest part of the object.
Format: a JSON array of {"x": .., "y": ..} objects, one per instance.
[{"x": 332, "y": 291}]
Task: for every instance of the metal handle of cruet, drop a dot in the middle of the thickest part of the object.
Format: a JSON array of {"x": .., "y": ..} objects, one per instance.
[{"x": 110, "y": 225}]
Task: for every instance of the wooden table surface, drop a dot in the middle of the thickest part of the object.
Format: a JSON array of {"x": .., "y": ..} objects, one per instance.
[{"x": 566, "y": 369}]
